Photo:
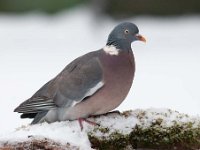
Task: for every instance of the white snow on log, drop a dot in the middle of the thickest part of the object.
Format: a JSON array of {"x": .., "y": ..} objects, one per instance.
[
  {"x": 62, "y": 132},
  {"x": 69, "y": 132}
]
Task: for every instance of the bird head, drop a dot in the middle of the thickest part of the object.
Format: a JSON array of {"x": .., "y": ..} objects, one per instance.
[{"x": 123, "y": 35}]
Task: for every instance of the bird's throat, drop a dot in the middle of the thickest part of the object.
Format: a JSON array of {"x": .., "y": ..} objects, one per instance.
[{"x": 121, "y": 44}]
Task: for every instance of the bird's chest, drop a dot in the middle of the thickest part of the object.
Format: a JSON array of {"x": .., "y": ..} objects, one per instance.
[
  {"x": 118, "y": 73},
  {"x": 119, "y": 69}
]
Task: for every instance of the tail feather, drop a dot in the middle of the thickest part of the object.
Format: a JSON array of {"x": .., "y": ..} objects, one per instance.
[
  {"x": 28, "y": 115},
  {"x": 39, "y": 117}
]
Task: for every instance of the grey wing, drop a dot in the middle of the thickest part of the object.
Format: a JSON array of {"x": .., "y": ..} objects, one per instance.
[
  {"x": 40, "y": 101},
  {"x": 82, "y": 81},
  {"x": 81, "y": 78}
]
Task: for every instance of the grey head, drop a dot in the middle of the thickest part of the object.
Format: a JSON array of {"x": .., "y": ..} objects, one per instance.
[{"x": 123, "y": 35}]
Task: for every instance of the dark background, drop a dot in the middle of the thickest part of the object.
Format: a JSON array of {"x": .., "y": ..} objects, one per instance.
[{"x": 114, "y": 8}]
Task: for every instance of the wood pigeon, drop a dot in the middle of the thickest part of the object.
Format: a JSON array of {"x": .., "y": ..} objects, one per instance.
[{"x": 92, "y": 84}]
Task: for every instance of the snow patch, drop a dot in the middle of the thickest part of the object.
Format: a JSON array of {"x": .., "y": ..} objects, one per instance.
[
  {"x": 69, "y": 131},
  {"x": 62, "y": 132}
]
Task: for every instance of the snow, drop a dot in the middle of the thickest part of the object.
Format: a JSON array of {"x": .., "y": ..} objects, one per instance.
[
  {"x": 34, "y": 48},
  {"x": 144, "y": 118},
  {"x": 61, "y": 132},
  {"x": 70, "y": 132}
]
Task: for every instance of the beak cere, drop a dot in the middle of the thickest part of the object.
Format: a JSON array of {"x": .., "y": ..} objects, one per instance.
[{"x": 141, "y": 38}]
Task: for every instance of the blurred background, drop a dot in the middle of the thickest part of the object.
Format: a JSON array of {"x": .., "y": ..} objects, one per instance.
[
  {"x": 39, "y": 38},
  {"x": 113, "y": 8}
]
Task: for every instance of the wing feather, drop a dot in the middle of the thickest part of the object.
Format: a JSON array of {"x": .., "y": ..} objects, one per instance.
[
  {"x": 84, "y": 80},
  {"x": 81, "y": 78}
]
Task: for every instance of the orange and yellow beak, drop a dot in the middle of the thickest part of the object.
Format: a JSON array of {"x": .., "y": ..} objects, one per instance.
[{"x": 141, "y": 38}]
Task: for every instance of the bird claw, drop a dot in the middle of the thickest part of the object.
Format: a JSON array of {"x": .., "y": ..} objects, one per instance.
[
  {"x": 113, "y": 112},
  {"x": 80, "y": 120},
  {"x": 108, "y": 113}
]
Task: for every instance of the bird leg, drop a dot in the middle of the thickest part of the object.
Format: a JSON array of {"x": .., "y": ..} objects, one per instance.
[{"x": 80, "y": 120}]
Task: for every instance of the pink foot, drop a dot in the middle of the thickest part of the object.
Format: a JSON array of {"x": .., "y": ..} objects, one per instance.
[{"x": 80, "y": 120}]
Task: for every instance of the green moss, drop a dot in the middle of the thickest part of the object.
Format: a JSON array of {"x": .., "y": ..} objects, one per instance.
[
  {"x": 178, "y": 135},
  {"x": 154, "y": 137},
  {"x": 165, "y": 138},
  {"x": 103, "y": 130},
  {"x": 114, "y": 141},
  {"x": 126, "y": 113}
]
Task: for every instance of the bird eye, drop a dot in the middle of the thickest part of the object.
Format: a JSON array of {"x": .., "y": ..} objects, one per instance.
[{"x": 126, "y": 31}]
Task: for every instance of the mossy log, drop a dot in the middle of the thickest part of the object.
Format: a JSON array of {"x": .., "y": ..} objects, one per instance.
[{"x": 137, "y": 129}]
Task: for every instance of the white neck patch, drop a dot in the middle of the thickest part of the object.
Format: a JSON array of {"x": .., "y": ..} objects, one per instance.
[{"x": 111, "y": 50}]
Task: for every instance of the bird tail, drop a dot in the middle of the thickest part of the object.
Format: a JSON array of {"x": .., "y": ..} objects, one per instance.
[
  {"x": 39, "y": 117},
  {"x": 28, "y": 115}
]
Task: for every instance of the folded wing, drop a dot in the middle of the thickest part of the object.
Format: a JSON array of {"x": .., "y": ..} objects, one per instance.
[{"x": 81, "y": 78}]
